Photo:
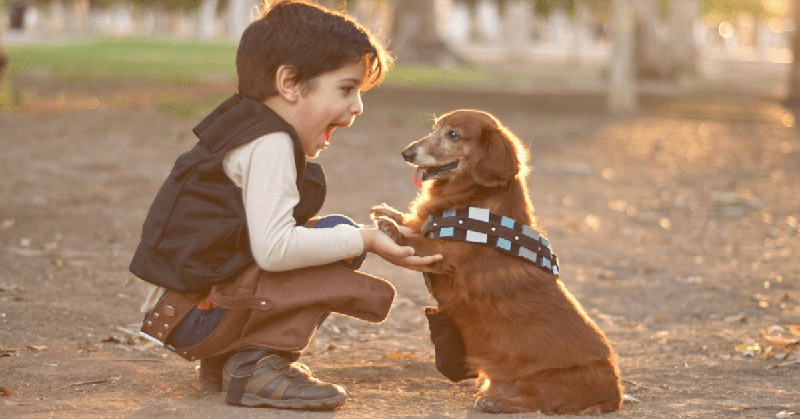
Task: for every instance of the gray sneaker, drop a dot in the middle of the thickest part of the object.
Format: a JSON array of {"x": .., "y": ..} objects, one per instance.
[{"x": 257, "y": 378}]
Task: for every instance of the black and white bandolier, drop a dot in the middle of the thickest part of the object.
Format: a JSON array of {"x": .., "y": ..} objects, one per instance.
[{"x": 478, "y": 225}]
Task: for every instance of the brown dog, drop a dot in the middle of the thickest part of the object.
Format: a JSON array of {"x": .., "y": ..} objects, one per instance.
[{"x": 523, "y": 331}]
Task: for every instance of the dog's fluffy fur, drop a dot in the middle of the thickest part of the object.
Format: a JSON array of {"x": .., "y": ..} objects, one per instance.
[{"x": 523, "y": 331}]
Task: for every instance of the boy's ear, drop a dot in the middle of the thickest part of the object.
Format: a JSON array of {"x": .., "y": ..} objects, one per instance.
[{"x": 286, "y": 83}]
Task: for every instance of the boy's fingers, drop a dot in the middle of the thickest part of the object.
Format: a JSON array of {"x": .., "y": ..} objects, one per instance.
[
  {"x": 423, "y": 260},
  {"x": 406, "y": 231}
]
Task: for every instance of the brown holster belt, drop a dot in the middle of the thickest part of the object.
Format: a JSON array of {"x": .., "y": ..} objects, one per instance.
[
  {"x": 274, "y": 310},
  {"x": 173, "y": 307}
]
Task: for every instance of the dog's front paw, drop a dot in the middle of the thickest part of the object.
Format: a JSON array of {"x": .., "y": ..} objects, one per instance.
[
  {"x": 487, "y": 406},
  {"x": 384, "y": 210},
  {"x": 389, "y": 227}
]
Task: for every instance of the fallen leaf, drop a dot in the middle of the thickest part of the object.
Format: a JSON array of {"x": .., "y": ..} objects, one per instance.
[
  {"x": 11, "y": 287},
  {"x": 784, "y": 414},
  {"x": 793, "y": 329},
  {"x": 399, "y": 355},
  {"x": 112, "y": 339},
  {"x": 37, "y": 347},
  {"x": 8, "y": 352},
  {"x": 660, "y": 335},
  {"x": 748, "y": 349},
  {"x": 739, "y": 318},
  {"x": 82, "y": 383},
  {"x": 6, "y": 392}
]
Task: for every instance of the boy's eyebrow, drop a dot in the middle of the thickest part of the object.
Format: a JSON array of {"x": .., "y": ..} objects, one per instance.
[{"x": 352, "y": 80}]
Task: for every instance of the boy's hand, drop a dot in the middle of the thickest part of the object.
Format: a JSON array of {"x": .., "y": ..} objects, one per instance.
[{"x": 382, "y": 245}]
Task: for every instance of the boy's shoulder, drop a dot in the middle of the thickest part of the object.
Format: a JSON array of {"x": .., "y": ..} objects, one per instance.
[{"x": 237, "y": 121}]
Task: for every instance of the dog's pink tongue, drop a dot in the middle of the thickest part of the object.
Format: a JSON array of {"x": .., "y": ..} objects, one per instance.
[{"x": 416, "y": 177}]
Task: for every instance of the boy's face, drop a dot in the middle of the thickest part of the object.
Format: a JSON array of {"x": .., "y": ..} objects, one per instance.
[{"x": 330, "y": 100}]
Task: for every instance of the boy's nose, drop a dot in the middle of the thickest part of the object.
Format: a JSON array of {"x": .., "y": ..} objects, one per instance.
[{"x": 358, "y": 106}]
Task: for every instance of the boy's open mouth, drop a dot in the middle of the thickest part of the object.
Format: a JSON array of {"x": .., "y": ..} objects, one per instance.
[
  {"x": 328, "y": 132},
  {"x": 433, "y": 172}
]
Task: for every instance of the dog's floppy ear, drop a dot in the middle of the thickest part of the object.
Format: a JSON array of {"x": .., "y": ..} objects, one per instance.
[{"x": 497, "y": 159}]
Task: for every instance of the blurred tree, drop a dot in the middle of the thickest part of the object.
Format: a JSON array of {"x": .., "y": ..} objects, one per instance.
[
  {"x": 665, "y": 45},
  {"x": 415, "y": 34},
  {"x": 207, "y": 19},
  {"x": 793, "y": 94},
  {"x": 621, "y": 80}
]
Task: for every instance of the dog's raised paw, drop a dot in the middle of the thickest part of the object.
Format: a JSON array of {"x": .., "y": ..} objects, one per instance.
[
  {"x": 389, "y": 227},
  {"x": 487, "y": 406},
  {"x": 384, "y": 210}
]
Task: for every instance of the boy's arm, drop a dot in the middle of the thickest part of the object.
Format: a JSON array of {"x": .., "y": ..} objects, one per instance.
[{"x": 265, "y": 171}]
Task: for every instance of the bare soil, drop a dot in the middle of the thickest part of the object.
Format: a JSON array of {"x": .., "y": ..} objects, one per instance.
[{"x": 677, "y": 229}]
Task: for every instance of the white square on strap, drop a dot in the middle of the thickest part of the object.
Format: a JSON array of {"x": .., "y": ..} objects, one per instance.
[
  {"x": 476, "y": 237},
  {"x": 530, "y": 232},
  {"x": 481, "y": 214}
]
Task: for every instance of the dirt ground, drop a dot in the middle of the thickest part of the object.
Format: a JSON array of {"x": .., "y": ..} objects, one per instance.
[{"x": 677, "y": 229}]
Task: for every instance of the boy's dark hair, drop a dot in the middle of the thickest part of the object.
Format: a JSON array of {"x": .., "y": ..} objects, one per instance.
[{"x": 308, "y": 37}]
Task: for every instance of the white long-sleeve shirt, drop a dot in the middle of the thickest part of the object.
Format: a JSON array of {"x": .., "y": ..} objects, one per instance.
[{"x": 264, "y": 168}]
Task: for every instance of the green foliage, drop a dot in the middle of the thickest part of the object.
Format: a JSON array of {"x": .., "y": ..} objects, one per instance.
[
  {"x": 728, "y": 8},
  {"x": 193, "y": 108},
  {"x": 166, "y": 61},
  {"x": 127, "y": 59},
  {"x": 545, "y": 7},
  {"x": 407, "y": 74}
]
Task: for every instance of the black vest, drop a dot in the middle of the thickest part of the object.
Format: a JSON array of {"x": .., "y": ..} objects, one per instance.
[{"x": 195, "y": 234}]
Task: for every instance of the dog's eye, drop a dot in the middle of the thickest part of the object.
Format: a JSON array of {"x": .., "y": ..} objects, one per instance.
[{"x": 453, "y": 135}]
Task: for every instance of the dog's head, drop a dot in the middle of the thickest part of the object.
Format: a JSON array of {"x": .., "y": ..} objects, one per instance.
[{"x": 469, "y": 145}]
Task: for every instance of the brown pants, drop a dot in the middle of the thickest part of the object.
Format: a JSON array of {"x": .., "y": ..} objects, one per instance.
[{"x": 275, "y": 310}]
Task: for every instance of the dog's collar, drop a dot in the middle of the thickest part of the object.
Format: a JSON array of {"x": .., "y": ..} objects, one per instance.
[{"x": 478, "y": 225}]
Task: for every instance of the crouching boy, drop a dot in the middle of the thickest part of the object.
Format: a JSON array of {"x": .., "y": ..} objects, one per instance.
[{"x": 244, "y": 272}]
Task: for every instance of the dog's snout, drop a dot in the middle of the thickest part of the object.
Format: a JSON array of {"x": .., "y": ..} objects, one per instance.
[{"x": 410, "y": 154}]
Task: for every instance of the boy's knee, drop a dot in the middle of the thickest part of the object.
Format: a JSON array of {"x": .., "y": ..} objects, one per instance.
[{"x": 330, "y": 221}]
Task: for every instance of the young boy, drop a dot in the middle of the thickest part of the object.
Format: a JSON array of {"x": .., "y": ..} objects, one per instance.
[{"x": 243, "y": 282}]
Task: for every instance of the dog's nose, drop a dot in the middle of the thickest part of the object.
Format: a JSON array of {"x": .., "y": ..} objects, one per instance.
[{"x": 409, "y": 154}]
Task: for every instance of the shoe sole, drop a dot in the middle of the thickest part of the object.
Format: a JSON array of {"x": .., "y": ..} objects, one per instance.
[{"x": 252, "y": 400}]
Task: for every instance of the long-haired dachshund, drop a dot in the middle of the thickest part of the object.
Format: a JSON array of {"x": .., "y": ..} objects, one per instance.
[{"x": 522, "y": 330}]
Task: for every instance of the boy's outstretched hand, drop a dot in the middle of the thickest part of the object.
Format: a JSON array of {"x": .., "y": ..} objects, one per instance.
[{"x": 382, "y": 245}]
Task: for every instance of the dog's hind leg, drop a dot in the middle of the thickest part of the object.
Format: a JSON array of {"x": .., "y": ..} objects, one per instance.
[{"x": 504, "y": 397}]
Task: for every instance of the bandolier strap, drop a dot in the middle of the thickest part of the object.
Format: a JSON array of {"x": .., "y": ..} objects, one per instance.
[{"x": 478, "y": 225}]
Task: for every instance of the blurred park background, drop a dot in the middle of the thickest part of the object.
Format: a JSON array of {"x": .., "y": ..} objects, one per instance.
[{"x": 618, "y": 46}]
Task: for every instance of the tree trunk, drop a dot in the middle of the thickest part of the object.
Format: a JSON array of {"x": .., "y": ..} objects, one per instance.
[
  {"x": 207, "y": 19},
  {"x": 793, "y": 94},
  {"x": 665, "y": 43},
  {"x": 622, "y": 80},
  {"x": 517, "y": 17},
  {"x": 416, "y": 36},
  {"x": 239, "y": 15}
]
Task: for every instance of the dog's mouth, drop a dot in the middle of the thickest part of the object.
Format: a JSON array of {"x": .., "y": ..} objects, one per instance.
[{"x": 434, "y": 172}]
